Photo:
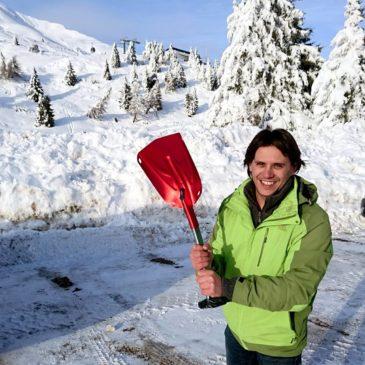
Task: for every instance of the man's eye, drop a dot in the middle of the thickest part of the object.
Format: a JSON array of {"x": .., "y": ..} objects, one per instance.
[{"x": 278, "y": 166}]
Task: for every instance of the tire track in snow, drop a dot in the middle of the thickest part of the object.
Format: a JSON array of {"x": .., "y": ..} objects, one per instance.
[{"x": 103, "y": 350}]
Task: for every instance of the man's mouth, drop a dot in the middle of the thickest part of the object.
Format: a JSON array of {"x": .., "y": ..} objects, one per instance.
[{"x": 267, "y": 183}]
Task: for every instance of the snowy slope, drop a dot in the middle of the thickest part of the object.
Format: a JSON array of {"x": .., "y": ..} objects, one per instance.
[{"x": 83, "y": 173}]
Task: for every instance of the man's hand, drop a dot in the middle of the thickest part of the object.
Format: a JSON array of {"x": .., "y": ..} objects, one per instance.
[
  {"x": 201, "y": 256},
  {"x": 210, "y": 283}
]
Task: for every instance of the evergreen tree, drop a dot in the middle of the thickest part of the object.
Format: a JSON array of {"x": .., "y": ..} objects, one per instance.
[
  {"x": 170, "y": 54},
  {"x": 210, "y": 77},
  {"x": 268, "y": 67},
  {"x": 147, "y": 50},
  {"x": 153, "y": 64},
  {"x": 16, "y": 42},
  {"x": 3, "y": 70},
  {"x": 170, "y": 84},
  {"x": 107, "y": 75},
  {"x": 339, "y": 90},
  {"x": 99, "y": 109},
  {"x": 191, "y": 103},
  {"x": 70, "y": 78},
  {"x": 115, "y": 60},
  {"x": 179, "y": 75},
  {"x": 35, "y": 90},
  {"x": 125, "y": 96},
  {"x": 131, "y": 54},
  {"x": 45, "y": 115},
  {"x": 137, "y": 104},
  {"x": 153, "y": 100},
  {"x": 34, "y": 48}
]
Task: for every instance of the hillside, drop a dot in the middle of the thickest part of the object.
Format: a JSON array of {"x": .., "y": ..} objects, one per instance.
[{"x": 75, "y": 203}]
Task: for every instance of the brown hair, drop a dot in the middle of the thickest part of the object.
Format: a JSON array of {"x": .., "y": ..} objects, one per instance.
[{"x": 282, "y": 140}]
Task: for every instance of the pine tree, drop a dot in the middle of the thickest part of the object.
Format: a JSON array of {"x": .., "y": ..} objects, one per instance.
[
  {"x": 34, "y": 48},
  {"x": 153, "y": 100},
  {"x": 191, "y": 103},
  {"x": 70, "y": 77},
  {"x": 210, "y": 77},
  {"x": 107, "y": 75},
  {"x": 115, "y": 59},
  {"x": 170, "y": 54},
  {"x": 339, "y": 90},
  {"x": 180, "y": 75},
  {"x": 45, "y": 115},
  {"x": 137, "y": 105},
  {"x": 99, "y": 109},
  {"x": 268, "y": 67},
  {"x": 131, "y": 54},
  {"x": 16, "y": 42},
  {"x": 125, "y": 96},
  {"x": 35, "y": 90},
  {"x": 3, "y": 70},
  {"x": 170, "y": 84}
]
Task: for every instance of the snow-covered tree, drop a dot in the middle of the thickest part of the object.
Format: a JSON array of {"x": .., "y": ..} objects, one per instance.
[
  {"x": 34, "y": 48},
  {"x": 107, "y": 75},
  {"x": 131, "y": 54},
  {"x": 125, "y": 96},
  {"x": 147, "y": 50},
  {"x": 268, "y": 67},
  {"x": 170, "y": 54},
  {"x": 2, "y": 66},
  {"x": 154, "y": 65},
  {"x": 99, "y": 109},
  {"x": 153, "y": 99},
  {"x": 115, "y": 59},
  {"x": 70, "y": 77},
  {"x": 10, "y": 69},
  {"x": 45, "y": 114},
  {"x": 339, "y": 90},
  {"x": 169, "y": 82},
  {"x": 35, "y": 90},
  {"x": 191, "y": 103},
  {"x": 137, "y": 105},
  {"x": 210, "y": 77},
  {"x": 16, "y": 42}
]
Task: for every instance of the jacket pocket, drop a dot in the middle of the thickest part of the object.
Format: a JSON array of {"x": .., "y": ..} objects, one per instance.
[{"x": 259, "y": 326}]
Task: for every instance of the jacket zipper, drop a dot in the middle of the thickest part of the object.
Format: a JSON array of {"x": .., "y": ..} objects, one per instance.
[{"x": 262, "y": 246}]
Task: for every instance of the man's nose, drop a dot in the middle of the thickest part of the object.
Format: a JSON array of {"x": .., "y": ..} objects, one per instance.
[{"x": 268, "y": 172}]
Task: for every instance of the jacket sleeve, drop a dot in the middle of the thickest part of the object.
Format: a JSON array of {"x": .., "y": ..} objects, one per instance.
[{"x": 309, "y": 255}]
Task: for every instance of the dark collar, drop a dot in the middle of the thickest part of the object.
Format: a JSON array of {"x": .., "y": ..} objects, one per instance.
[{"x": 271, "y": 202}]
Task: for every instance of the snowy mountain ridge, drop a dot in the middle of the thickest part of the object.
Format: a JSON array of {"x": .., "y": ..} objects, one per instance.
[{"x": 52, "y": 36}]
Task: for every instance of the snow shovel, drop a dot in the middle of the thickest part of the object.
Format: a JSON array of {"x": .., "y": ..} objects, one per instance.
[{"x": 167, "y": 163}]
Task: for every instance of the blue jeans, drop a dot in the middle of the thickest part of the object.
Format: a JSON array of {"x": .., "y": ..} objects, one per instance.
[{"x": 237, "y": 355}]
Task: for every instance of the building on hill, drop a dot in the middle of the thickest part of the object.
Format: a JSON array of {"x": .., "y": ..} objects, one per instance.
[{"x": 180, "y": 53}]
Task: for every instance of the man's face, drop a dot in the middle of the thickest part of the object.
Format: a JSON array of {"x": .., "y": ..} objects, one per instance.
[{"x": 270, "y": 170}]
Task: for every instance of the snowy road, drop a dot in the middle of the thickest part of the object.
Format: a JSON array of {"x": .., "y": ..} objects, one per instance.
[{"x": 135, "y": 303}]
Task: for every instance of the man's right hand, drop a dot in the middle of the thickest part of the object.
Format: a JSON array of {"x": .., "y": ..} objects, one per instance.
[{"x": 201, "y": 256}]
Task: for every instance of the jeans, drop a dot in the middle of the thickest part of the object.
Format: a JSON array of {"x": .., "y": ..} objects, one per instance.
[{"x": 237, "y": 355}]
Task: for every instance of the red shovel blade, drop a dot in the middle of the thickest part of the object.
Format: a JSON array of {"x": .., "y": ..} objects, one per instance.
[{"x": 169, "y": 166}]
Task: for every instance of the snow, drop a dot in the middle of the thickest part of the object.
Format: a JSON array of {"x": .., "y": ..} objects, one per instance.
[{"x": 75, "y": 203}]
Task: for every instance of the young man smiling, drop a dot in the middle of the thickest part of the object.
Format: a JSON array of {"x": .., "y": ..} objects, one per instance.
[{"x": 269, "y": 251}]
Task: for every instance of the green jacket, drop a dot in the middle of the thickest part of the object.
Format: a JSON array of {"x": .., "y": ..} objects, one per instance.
[{"x": 279, "y": 266}]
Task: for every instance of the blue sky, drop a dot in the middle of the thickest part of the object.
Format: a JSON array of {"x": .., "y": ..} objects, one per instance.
[{"x": 184, "y": 23}]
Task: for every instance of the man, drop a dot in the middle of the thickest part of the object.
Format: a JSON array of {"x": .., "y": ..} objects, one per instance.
[{"x": 269, "y": 251}]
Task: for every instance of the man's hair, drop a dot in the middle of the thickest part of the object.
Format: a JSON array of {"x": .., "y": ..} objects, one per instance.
[{"x": 282, "y": 140}]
